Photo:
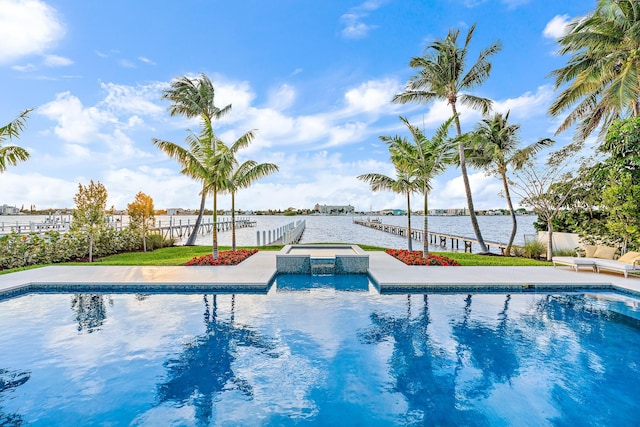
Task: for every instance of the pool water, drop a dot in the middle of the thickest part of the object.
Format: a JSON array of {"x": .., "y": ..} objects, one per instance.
[{"x": 319, "y": 350}]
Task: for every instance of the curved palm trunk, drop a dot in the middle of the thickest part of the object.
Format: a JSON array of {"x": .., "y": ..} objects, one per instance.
[
  {"x": 409, "y": 243},
  {"x": 514, "y": 222},
  {"x": 425, "y": 226},
  {"x": 215, "y": 224},
  {"x": 467, "y": 186},
  {"x": 191, "y": 241},
  {"x": 233, "y": 221}
]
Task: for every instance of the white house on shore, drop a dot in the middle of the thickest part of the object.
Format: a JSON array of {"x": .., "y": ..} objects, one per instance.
[{"x": 334, "y": 210}]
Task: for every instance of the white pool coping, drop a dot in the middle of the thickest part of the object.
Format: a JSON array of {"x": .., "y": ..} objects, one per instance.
[{"x": 259, "y": 270}]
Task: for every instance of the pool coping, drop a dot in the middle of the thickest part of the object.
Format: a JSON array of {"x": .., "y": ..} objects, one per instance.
[{"x": 257, "y": 273}]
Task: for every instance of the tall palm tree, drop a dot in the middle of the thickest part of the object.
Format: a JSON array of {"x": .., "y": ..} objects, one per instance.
[
  {"x": 220, "y": 171},
  {"x": 442, "y": 75},
  {"x": 12, "y": 154},
  {"x": 242, "y": 177},
  {"x": 404, "y": 183},
  {"x": 603, "y": 72},
  {"x": 494, "y": 147},
  {"x": 194, "y": 98},
  {"x": 426, "y": 158}
]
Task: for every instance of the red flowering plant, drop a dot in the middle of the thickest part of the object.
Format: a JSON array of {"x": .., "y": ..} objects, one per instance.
[
  {"x": 416, "y": 258},
  {"x": 224, "y": 258}
]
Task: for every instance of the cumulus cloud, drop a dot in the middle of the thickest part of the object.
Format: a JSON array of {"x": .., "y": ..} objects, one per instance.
[
  {"x": 528, "y": 104},
  {"x": 557, "y": 27},
  {"x": 45, "y": 191},
  {"x": 372, "y": 96},
  {"x": 75, "y": 122},
  {"x": 27, "y": 27}
]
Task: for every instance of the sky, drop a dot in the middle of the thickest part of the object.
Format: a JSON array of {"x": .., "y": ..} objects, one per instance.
[{"x": 313, "y": 79}]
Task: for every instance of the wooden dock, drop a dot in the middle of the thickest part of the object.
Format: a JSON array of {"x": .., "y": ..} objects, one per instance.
[
  {"x": 434, "y": 237},
  {"x": 178, "y": 229}
]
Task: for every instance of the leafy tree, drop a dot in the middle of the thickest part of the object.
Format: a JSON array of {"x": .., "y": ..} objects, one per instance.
[
  {"x": 425, "y": 158},
  {"x": 404, "y": 183},
  {"x": 442, "y": 75},
  {"x": 622, "y": 198},
  {"x": 494, "y": 148},
  {"x": 602, "y": 77},
  {"x": 193, "y": 98},
  {"x": 89, "y": 217},
  {"x": 141, "y": 215},
  {"x": 12, "y": 154},
  {"x": 541, "y": 187},
  {"x": 242, "y": 177}
]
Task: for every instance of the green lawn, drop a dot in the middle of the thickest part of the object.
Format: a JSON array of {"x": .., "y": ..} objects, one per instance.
[{"x": 179, "y": 255}]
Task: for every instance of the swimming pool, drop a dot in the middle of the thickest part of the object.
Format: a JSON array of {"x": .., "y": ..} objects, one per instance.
[{"x": 320, "y": 350}]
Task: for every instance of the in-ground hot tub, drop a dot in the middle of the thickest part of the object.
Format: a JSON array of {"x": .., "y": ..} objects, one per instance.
[{"x": 322, "y": 259}]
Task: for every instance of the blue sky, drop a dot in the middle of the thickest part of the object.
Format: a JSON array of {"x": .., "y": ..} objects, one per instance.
[{"x": 314, "y": 78}]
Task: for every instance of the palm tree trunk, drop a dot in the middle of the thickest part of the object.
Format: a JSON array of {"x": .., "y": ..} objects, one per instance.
[
  {"x": 467, "y": 186},
  {"x": 425, "y": 226},
  {"x": 409, "y": 243},
  {"x": 215, "y": 224},
  {"x": 191, "y": 241},
  {"x": 514, "y": 222},
  {"x": 233, "y": 221}
]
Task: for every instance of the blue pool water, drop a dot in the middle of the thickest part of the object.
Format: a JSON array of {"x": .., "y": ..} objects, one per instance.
[{"x": 320, "y": 351}]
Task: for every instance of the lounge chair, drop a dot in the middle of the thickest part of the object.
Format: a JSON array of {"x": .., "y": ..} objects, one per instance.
[
  {"x": 627, "y": 263},
  {"x": 602, "y": 258}
]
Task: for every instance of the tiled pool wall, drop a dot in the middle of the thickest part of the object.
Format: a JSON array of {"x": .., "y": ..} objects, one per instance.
[{"x": 304, "y": 264}]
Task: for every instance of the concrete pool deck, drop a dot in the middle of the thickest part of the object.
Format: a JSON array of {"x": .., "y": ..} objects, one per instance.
[{"x": 257, "y": 272}]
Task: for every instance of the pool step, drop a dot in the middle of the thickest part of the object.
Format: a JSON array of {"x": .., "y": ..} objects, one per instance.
[{"x": 323, "y": 266}]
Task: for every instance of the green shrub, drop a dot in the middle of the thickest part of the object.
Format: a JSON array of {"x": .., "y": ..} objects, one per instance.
[
  {"x": 156, "y": 241},
  {"x": 534, "y": 249}
]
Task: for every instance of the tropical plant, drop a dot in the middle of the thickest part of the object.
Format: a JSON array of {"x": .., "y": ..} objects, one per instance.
[
  {"x": 425, "y": 158},
  {"x": 404, "y": 183},
  {"x": 193, "y": 98},
  {"x": 141, "y": 214},
  {"x": 493, "y": 147},
  {"x": 89, "y": 218},
  {"x": 602, "y": 77},
  {"x": 242, "y": 177},
  {"x": 12, "y": 154},
  {"x": 442, "y": 76}
]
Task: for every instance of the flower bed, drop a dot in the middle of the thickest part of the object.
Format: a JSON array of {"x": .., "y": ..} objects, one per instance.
[
  {"x": 224, "y": 258},
  {"x": 415, "y": 258}
]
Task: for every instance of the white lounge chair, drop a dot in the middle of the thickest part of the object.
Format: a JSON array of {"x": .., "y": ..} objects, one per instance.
[{"x": 575, "y": 262}]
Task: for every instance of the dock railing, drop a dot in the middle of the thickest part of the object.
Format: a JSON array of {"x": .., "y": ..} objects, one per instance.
[{"x": 285, "y": 235}]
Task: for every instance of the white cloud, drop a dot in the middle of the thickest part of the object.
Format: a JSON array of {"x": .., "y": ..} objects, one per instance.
[
  {"x": 56, "y": 61},
  {"x": 140, "y": 99},
  {"x": 46, "y": 191},
  {"x": 146, "y": 60},
  {"x": 282, "y": 97},
  {"x": 27, "y": 27},
  {"x": 373, "y": 95},
  {"x": 354, "y": 28},
  {"x": 75, "y": 122},
  {"x": 515, "y": 3},
  {"x": 528, "y": 104},
  {"x": 451, "y": 194},
  {"x": 24, "y": 68},
  {"x": 557, "y": 27}
]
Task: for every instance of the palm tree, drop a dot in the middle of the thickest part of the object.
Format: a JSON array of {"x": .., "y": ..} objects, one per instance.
[
  {"x": 426, "y": 158},
  {"x": 493, "y": 147},
  {"x": 441, "y": 76},
  {"x": 242, "y": 177},
  {"x": 603, "y": 72},
  {"x": 194, "y": 97},
  {"x": 405, "y": 183},
  {"x": 219, "y": 178},
  {"x": 12, "y": 154}
]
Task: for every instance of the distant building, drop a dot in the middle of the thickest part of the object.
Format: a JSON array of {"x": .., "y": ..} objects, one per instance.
[
  {"x": 334, "y": 210},
  {"x": 448, "y": 212},
  {"x": 176, "y": 211},
  {"x": 9, "y": 210}
]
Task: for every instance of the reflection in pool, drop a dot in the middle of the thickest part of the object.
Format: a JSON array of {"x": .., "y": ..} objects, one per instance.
[{"x": 319, "y": 350}]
